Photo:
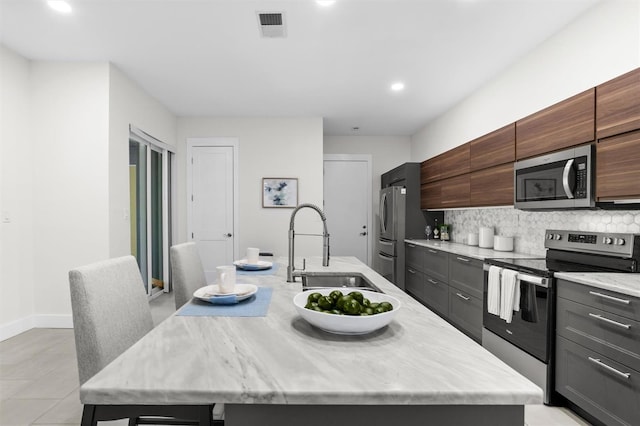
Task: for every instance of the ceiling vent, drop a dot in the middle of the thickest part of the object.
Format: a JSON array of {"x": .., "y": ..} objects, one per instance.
[{"x": 272, "y": 24}]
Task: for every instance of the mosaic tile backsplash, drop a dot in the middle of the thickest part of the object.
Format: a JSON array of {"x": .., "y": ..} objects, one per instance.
[{"x": 527, "y": 228}]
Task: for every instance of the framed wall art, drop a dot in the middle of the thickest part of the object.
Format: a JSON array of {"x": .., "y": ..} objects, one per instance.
[{"x": 279, "y": 192}]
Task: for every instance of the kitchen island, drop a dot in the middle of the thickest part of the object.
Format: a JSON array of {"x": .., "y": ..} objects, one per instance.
[{"x": 278, "y": 369}]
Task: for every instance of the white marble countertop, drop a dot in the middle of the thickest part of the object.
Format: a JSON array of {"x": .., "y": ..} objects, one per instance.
[
  {"x": 625, "y": 283},
  {"x": 418, "y": 359},
  {"x": 470, "y": 251}
]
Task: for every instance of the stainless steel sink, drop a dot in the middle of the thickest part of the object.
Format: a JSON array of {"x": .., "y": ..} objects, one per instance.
[{"x": 351, "y": 281}]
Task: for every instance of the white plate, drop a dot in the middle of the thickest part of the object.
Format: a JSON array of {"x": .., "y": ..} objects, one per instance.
[
  {"x": 347, "y": 324},
  {"x": 211, "y": 292},
  {"x": 244, "y": 264}
]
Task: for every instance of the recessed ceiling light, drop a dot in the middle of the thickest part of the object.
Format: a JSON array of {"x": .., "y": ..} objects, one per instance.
[
  {"x": 59, "y": 6},
  {"x": 396, "y": 87},
  {"x": 325, "y": 3}
]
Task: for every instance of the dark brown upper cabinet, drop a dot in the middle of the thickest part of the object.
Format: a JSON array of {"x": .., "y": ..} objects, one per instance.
[
  {"x": 454, "y": 191},
  {"x": 430, "y": 170},
  {"x": 455, "y": 161},
  {"x": 565, "y": 124},
  {"x": 497, "y": 147},
  {"x": 430, "y": 196},
  {"x": 492, "y": 186},
  {"x": 618, "y": 105},
  {"x": 618, "y": 167}
]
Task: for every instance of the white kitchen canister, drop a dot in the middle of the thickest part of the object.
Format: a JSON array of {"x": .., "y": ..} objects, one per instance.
[{"x": 485, "y": 237}]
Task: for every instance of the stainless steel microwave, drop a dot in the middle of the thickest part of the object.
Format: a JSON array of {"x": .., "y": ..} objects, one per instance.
[{"x": 560, "y": 180}]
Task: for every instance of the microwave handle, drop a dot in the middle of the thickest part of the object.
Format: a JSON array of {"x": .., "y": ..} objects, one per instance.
[{"x": 565, "y": 178}]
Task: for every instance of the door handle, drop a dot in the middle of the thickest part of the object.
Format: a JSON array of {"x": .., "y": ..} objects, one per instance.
[
  {"x": 363, "y": 233},
  {"x": 228, "y": 234}
]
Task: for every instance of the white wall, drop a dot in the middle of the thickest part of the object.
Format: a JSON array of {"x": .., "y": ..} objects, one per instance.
[
  {"x": 64, "y": 180},
  {"x": 268, "y": 147},
  {"x": 128, "y": 104},
  {"x": 600, "y": 45},
  {"x": 387, "y": 152},
  {"x": 16, "y": 194},
  {"x": 69, "y": 122}
]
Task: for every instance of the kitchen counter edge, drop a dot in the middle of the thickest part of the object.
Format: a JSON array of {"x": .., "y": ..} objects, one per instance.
[{"x": 474, "y": 252}]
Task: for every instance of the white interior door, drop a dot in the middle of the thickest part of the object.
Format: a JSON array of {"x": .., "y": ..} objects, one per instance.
[
  {"x": 211, "y": 213},
  {"x": 347, "y": 204}
]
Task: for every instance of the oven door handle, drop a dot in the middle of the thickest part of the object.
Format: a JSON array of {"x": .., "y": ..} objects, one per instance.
[
  {"x": 539, "y": 281},
  {"x": 565, "y": 178}
]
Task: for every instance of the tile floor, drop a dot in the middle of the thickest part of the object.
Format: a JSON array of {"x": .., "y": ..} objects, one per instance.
[{"x": 39, "y": 380}]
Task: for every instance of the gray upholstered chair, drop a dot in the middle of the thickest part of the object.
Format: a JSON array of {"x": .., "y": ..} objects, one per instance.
[
  {"x": 110, "y": 313},
  {"x": 187, "y": 273}
]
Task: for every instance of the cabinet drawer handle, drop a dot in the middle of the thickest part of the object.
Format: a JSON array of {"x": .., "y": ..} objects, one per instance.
[
  {"x": 606, "y": 296},
  {"x": 411, "y": 245},
  {"x": 411, "y": 271},
  {"x": 608, "y": 367},
  {"x": 462, "y": 296},
  {"x": 432, "y": 281},
  {"x": 462, "y": 259},
  {"x": 609, "y": 321},
  {"x": 432, "y": 251}
]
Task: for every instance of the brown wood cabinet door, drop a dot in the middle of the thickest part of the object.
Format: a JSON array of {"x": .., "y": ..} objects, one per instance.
[
  {"x": 618, "y": 167},
  {"x": 618, "y": 105},
  {"x": 454, "y": 192},
  {"x": 430, "y": 197},
  {"x": 430, "y": 170},
  {"x": 567, "y": 123},
  {"x": 455, "y": 161},
  {"x": 492, "y": 186},
  {"x": 497, "y": 147}
]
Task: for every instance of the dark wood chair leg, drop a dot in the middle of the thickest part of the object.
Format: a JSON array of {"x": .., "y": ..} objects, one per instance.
[{"x": 89, "y": 415}]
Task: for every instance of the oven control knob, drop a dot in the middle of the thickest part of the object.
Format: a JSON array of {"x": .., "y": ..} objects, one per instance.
[
  {"x": 607, "y": 240},
  {"x": 549, "y": 236},
  {"x": 619, "y": 241},
  {"x": 557, "y": 237}
]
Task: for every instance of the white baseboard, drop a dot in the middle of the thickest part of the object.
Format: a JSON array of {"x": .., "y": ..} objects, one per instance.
[{"x": 21, "y": 325}]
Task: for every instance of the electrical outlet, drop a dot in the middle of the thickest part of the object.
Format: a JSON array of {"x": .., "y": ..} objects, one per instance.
[{"x": 6, "y": 217}]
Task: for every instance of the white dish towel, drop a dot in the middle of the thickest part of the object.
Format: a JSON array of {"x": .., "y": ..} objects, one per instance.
[
  {"x": 508, "y": 285},
  {"x": 493, "y": 290}
]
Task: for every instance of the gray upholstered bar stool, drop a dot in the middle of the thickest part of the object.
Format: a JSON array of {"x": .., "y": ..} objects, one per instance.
[
  {"x": 110, "y": 313},
  {"x": 187, "y": 273}
]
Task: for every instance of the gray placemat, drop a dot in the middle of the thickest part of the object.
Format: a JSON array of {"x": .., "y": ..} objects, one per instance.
[{"x": 255, "y": 306}]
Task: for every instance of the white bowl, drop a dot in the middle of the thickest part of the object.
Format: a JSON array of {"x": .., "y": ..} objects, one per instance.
[{"x": 347, "y": 324}]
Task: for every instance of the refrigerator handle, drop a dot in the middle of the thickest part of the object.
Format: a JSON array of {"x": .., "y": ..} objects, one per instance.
[{"x": 383, "y": 209}]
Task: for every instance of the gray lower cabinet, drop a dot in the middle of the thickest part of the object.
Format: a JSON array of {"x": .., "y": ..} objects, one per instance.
[
  {"x": 414, "y": 283},
  {"x": 465, "y": 311},
  {"x": 466, "y": 282},
  {"x": 436, "y": 264},
  {"x": 448, "y": 284},
  {"x": 436, "y": 295},
  {"x": 414, "y": 256},
  {"x": 598, "y": 352},
  {"x": 466, "y": 274}
]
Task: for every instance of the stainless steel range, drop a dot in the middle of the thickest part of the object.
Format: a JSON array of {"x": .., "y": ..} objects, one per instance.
[{"x": 521, "y": 331}]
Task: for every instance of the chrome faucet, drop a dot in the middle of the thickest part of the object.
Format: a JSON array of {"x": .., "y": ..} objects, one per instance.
[{"x": 292, "y": 235}]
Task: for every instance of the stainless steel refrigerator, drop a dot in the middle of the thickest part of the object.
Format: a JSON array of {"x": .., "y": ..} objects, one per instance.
[{"x": 390, "y": 250}]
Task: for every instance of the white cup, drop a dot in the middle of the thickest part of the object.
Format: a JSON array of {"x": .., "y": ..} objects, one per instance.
[
  {"x": 472, "y": 239},
  {"x": 226, "y": 278},
  {"x": 252, "y": 255}
]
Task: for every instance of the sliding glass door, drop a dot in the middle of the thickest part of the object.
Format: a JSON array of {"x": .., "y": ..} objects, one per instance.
[{"x": 150, "y": 193}]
